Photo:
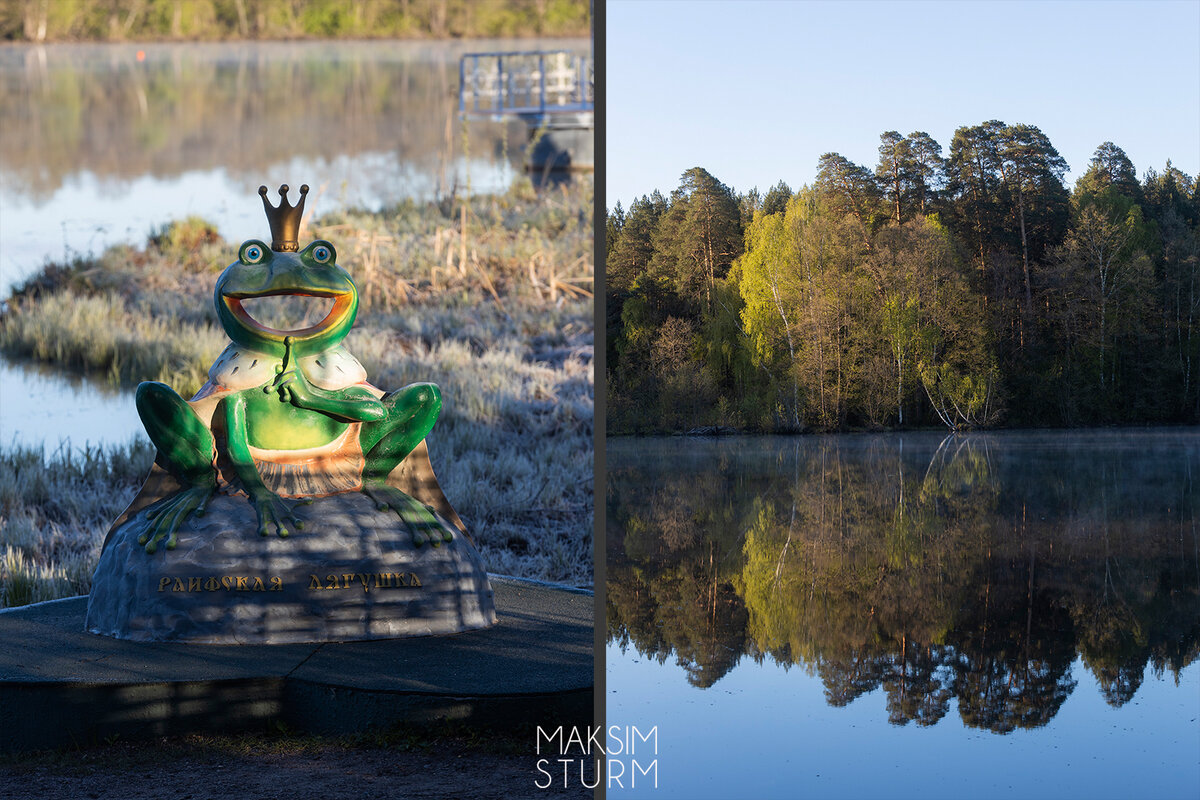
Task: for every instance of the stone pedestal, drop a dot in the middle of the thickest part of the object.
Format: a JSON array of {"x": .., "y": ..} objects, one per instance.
[{"x": 351, "y": 573}]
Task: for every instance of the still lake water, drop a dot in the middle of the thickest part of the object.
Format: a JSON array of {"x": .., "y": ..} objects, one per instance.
[
  {"x": 40, "y": 406},
  {"x": 100, "y": 147},
  {"x": 1014, "y": 614}
]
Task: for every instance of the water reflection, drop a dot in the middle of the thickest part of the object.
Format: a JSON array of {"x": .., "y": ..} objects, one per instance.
[
  {"x": 100, "y": 146},
  {"x": 239, "y": 107},
  {"x": 968, "y": 572}
]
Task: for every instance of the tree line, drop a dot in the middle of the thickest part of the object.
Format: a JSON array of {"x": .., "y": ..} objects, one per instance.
[
  {"x": 140, "y": 20},
  {"x": 971, "y": 289}
]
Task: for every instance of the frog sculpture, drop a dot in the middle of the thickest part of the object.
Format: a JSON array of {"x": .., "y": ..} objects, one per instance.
[
  {"x": 296, "y": 500},
  {"x": 294, "y": 411}
]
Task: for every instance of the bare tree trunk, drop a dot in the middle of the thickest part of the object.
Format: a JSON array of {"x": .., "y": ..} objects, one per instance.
[
  {"x": 34, "y": 21},
  {"x": 787, "y": 330},
  {"x": 896, "y": 185},
  {"x": 135, "y": 10},
  {"x": 1025, "y": 253},
  {"x": 1186, "y": 344},
  {"x": 977, "y": 195},
  {"x": 439, "y": 19},
  {"x": 43, "y": 22},
  {"x": 243, "y": 22}
]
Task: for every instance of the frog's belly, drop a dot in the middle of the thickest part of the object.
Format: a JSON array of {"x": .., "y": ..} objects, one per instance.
[
  {"x": 271, "y": 426},
  {"x": 311, "y": 472}
]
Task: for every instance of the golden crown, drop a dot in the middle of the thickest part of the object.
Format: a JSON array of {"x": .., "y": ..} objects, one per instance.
[{"x": 284, "y": 219}]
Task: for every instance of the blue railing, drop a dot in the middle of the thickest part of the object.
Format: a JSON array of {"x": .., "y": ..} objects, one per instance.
[{"x": 524, "y": 83}]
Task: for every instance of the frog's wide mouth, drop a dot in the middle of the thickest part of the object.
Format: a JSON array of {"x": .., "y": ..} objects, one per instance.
[{"x": 340, "y": 306}]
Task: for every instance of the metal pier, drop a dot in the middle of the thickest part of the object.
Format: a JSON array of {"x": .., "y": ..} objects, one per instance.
[{"x": 551, "y": 91}]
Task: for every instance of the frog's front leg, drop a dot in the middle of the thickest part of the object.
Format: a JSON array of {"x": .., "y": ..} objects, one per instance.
[
  {"x": 186, "y": 446},
  {"x": 268, "y": 506},
  {"x": 410, "y": 415}
]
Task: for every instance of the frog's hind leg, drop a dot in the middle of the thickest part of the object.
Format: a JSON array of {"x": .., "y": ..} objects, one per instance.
[
  {"x": 411, "y": 412},
  {"x": 186, "y": 446},
  {"x": 182, "y": 438}
]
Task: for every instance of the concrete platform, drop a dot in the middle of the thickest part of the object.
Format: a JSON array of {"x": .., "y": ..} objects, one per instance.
[{"x": 60, "y": 686}]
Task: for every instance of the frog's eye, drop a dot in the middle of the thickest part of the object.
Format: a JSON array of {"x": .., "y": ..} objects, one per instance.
[
  {"x": 253, "y": 252},
  {"x": 322, "y": 253}
]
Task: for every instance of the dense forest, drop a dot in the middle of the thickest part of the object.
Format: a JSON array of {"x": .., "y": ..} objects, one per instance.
[
  {"x": 971, "y": 289},
  {"x": 134, "y": 20}
]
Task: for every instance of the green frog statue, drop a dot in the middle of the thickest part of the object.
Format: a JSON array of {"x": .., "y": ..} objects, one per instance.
[
  {"x": 296, "y": 501},
  {"x": 286, "y": 414}
]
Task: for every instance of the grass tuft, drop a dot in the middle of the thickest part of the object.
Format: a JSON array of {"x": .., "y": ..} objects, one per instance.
[{"x": 54, "y": 512}]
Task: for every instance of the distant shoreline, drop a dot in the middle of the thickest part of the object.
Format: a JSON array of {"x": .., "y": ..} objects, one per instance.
[
  {"x": 95, "y": 21},
  {"x": 532, "y": 37},
  {"x": 734, "y": 433}
]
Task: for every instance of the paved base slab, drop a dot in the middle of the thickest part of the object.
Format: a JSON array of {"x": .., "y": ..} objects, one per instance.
[{"x": 60, "y": 686}]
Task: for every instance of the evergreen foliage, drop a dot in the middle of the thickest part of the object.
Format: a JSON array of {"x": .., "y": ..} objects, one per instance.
[{"x": 968, "y": 291}]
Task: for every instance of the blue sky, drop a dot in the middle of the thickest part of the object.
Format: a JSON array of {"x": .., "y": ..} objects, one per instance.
[{"x": 755, "y": 92}]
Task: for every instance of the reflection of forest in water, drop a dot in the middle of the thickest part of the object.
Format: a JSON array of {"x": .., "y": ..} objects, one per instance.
[
  {"x": 975, "y": 570},
  {"x": 237, "y": 107}
]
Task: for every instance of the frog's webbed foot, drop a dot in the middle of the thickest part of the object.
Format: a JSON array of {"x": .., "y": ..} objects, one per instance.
[
  {"x": 417, "y": 517},
  {"x": 168, "y": 514},
  {"x": 272, "y": 510}
]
